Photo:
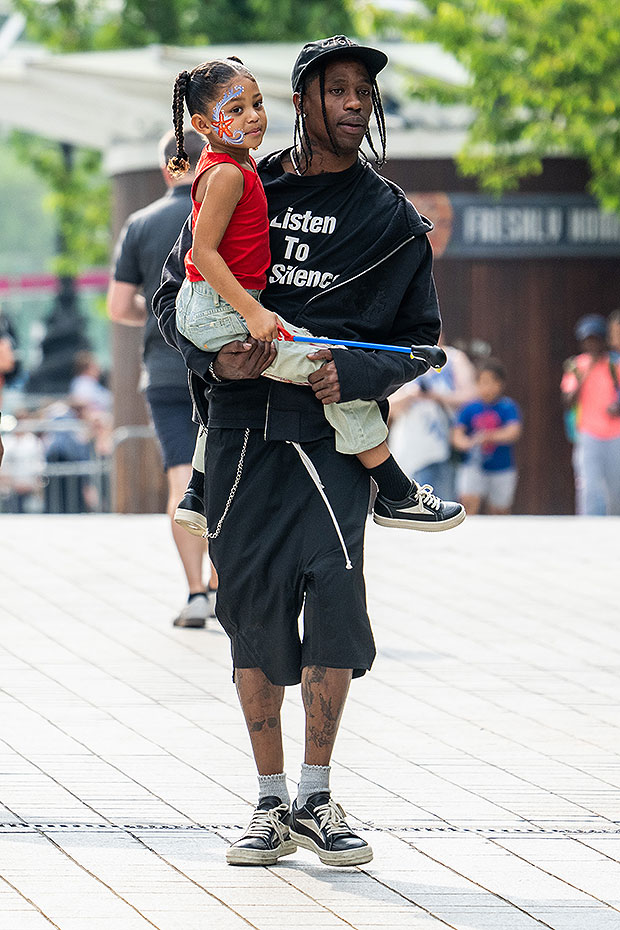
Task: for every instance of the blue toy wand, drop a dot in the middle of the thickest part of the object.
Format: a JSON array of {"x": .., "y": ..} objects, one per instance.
[{"x": 433, "y": 355}]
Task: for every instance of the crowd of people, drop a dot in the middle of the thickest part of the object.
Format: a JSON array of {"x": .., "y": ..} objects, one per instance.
[
  {"x": 73, "y": 431},
  {"x": 456, "y": 430}
]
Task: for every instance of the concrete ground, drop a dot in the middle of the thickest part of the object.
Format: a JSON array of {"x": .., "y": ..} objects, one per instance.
[{"x": 481, "y": 757}]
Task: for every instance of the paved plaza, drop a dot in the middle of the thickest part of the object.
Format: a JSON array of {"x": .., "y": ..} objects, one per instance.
[{"x": 480, "y": 758}]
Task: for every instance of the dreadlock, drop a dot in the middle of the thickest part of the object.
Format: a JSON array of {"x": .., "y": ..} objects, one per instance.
[
  {"x": 198, "y": 89},
  {"x": 301, "y": 139}
]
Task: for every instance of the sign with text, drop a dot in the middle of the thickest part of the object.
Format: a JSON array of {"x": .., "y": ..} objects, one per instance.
[{"x": 519, "y": 225}]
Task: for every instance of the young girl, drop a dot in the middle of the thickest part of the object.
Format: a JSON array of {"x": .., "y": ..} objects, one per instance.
[{"x": 226, "y": 269}]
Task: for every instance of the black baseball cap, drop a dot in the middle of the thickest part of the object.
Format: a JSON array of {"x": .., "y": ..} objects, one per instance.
[{"x": 336, "y": 47}]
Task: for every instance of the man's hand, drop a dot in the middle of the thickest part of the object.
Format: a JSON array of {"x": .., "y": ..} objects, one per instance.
[
  {"x": 237, "y": 361},
  {"x": 324, "y": 382}
]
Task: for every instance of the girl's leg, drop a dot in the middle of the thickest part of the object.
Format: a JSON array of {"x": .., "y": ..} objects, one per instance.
[
  {"x": 373, "y": 457},
  {"x": 391, "y": 480}
]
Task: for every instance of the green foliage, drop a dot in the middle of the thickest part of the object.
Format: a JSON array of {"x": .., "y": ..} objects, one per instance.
[
  {"x": 82, "y": 25},
  {"x": 78, "y": 198},
  {"x": 545, "y": 80},
  {"x": 21, "y": 196}
]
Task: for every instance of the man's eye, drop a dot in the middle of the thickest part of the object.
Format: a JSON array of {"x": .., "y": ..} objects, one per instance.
[
  {"x": 336, "y": 90},
  {"x": 364, "y": 92}
]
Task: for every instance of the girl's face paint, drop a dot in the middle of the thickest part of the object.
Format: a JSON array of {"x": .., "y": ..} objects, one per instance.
[{"x": 221, "y": 124}]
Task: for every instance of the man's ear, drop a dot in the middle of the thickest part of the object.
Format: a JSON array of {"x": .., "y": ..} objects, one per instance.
[
  {"x": 296, "y": 99},
  {"x": 201, "y": 125}
]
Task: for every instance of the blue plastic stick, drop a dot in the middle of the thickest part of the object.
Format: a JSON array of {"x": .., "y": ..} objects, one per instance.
[{"x": 411, "y": 351}]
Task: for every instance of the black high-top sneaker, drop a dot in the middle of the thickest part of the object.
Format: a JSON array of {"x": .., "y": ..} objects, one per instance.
[
  {"x": 320, "y": 826},
  {"x": 190, "y": 514},
  {"x": 420, "y": 510},
  {"x": 266, "y": 838}
]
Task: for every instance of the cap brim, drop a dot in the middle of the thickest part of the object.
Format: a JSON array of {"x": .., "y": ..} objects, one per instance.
[{"x": 374, "y": 59}]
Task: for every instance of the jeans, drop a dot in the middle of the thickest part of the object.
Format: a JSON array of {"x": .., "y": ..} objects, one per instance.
[
  {"x": 596, "y": 463},
  {"x": 441, "y": 476}
]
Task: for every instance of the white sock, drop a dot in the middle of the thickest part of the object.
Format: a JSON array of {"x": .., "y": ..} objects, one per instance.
[
  {"x": 270, "y": 786},
  {"x": 313, "y": 778}
]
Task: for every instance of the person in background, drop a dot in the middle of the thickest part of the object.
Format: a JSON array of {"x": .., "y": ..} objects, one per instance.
[
  {"x": 142, "y": 249},
  {"x": 86, "y": 388},
  {"x": 590, "y": 388},
  {"x": 613, "y": 331},
  {"x": 485, "y": 431},
  {"x": 22, "y": 478},
  {"x": 422, "y": 414},
  {"x": 7, "y": 363},
  {"x": 7, "y": 354}
]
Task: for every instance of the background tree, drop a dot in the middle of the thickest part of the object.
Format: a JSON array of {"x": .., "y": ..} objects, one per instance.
[
  {"x": 81, "y": 25},
  {"x": 544, "y": 80},
  {"x": 80, "y": 194}
]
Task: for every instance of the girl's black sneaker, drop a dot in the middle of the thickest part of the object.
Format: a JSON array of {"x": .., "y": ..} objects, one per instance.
[
  {"x": 420, "y": 510},
  {"x": 190, "y": 514}
]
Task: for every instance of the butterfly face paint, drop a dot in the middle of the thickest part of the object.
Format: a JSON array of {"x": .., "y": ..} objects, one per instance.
[{"x": 221, "y": 124}]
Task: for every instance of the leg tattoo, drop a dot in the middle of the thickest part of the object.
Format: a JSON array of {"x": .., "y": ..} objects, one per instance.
[
  {"x": 324, "y": 692},
  {"x": 261, "y": 702}
]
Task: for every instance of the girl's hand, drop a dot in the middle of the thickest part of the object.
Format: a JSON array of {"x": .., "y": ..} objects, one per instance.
[{"x": 263, "y": 325}]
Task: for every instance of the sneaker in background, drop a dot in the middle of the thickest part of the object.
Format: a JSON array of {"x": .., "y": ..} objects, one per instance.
[{"x": 197, "y": 611}]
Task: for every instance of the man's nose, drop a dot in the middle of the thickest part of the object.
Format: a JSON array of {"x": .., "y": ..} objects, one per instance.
[{"x": 353, "y": 101}]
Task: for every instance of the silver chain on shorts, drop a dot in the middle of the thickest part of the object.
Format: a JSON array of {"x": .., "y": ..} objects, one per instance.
[{"x": 233, "y": 490}]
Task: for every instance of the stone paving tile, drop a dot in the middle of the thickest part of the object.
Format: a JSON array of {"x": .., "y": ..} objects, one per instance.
[{"x": 481, "y": 758}]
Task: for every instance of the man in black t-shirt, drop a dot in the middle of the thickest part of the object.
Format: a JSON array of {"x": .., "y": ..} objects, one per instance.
[
  {"x": 350, "y": 259},
  {"x": 142, "y": 249}
]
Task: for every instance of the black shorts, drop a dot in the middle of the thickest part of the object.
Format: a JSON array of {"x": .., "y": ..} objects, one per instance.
[
  {"x": 278, "y": 551},
  {"x": 171, "y": 410}
]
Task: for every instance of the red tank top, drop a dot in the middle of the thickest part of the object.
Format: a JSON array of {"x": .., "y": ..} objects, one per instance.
[{"x": 245, "y": 244}]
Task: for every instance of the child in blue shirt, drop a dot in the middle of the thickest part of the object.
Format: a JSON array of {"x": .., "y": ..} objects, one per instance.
[{"x": 486, "y": 431}]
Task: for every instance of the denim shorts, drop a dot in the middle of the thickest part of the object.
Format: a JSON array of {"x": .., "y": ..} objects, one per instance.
[{"x": 206, "y": 319}]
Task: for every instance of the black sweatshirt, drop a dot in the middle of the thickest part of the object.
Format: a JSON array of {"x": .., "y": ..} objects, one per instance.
[{"x": 350, "y": 260}]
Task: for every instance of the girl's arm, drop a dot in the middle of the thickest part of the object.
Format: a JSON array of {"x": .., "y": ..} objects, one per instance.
[{"x": 220, "y": 189}]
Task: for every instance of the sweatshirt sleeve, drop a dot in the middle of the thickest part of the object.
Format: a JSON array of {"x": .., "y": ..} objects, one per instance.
[
  {"x": 374, "y": 375},
  {"x": 172, "y": 277}
]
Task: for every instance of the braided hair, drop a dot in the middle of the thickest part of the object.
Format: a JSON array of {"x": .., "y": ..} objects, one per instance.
[
  {"x": 198, "y": 89},
  {"x": 301, "y": 139}
]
